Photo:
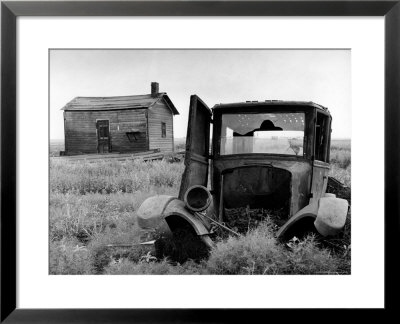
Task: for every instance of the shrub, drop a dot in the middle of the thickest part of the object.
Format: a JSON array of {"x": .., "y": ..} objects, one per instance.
[
  {"x": 340, "y": 157},
  {"x": 255, "y": 253},
  {"x": 102, "y": 254},
  {"x": 163, "y": 267},
  {"x": 259, "y": 252},
  {"x": 69, "y": 257},
  {"x": 82, "y": 217},
  {"x": 307, "y": 257}
]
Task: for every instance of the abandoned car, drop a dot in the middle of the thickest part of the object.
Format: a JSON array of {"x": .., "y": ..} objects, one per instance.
[{"x": 267, "y": 158}]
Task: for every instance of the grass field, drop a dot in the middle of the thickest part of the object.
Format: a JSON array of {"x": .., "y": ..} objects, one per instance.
[{"x": 94, "y": 204}]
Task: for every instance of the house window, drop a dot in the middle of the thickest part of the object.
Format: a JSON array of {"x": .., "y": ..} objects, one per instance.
[
  {"x": 133, "y": 136},
  {"x": 163, "y": 130}
]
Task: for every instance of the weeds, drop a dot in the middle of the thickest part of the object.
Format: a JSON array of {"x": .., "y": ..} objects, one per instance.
[
  {"x": 340, "y": 157},
  {"x": 162, "y": 267},
  {"x": 254, "y": 253},
  {"x": 93, "y": 206},
  {"x": 108, "y": 177},
  {"x": 69, "y": 257},
  {"x": 259, "y": 252},
  {"x": 83, "y": 217}
]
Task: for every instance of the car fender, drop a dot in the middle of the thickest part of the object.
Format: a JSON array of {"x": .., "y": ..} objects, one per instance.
[
  {"x": 177, "y": 208},
  {"x": 329, "y": 214},
  {"x": 310, "y": 210},
  {"x": 150, "y": 215},
  {"x": 331, "y": 217},
  {"x": 154, "y": 212},
  {"x": 200, "y": 225}
]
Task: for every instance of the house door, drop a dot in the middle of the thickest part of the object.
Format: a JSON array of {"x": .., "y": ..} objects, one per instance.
[{"x": 103, "y": 136}]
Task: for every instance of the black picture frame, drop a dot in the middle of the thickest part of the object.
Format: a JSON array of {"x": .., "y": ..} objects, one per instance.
[{"x": 10, "y": 10}]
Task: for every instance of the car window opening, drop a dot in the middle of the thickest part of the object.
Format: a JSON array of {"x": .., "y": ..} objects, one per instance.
[{"x": 271, "y": 133}]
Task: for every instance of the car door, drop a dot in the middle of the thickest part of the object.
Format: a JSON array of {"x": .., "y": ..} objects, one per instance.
[
  {"x": 321, "y": 155},
  {"x": 197, "y": 146}
]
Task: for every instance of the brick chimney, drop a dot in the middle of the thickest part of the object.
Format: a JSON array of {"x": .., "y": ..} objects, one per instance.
[{"x": 154, "y": 89}]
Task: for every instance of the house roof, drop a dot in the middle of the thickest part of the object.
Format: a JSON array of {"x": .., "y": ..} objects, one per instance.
[{"x": 118, "y": 103}]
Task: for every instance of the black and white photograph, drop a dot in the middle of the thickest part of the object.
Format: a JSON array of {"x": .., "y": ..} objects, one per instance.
[
  {"x": 200, "y": 161},
  {"x": 190, "y": 161}
]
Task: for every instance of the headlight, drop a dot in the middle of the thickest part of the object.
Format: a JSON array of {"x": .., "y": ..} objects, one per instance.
[{"x": 197, "y": 198}]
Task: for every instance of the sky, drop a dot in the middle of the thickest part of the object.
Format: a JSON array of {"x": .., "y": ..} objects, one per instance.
[{"x": 216, "y": 76}]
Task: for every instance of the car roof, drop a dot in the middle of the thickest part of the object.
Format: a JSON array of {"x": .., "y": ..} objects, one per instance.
[{"x": 272, "y": 103}]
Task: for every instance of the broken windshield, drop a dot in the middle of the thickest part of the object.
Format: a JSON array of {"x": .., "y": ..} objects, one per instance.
[{"x": 273, "y": 133}]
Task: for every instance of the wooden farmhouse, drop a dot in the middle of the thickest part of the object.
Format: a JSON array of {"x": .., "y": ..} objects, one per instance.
[{"x": 124, "y": 124}]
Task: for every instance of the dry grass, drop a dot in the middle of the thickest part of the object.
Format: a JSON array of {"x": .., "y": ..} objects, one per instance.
[
  {"x": 94, "y": 204},
  {"x": 340, "y": 159},
  {"x": 108, "y": 177},
  {"x": 257, "y": 253}
]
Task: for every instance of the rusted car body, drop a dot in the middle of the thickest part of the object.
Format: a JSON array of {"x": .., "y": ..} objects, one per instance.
[{"x": 271, "y": 155}]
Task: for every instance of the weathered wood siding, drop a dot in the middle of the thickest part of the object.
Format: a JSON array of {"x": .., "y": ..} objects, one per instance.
[
  {"x": 160, "y": 113},
  {"x": 81, "y": 136}
]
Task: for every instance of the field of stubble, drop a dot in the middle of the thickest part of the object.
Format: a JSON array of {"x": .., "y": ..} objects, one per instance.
[{"x": 94, "y": 204}]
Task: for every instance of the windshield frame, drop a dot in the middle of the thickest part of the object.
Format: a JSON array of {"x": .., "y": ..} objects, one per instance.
[{"x": 309, "y": 113}]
